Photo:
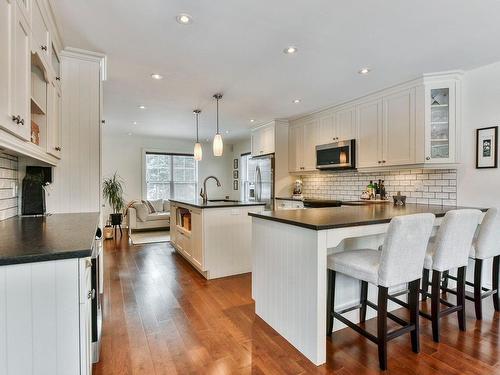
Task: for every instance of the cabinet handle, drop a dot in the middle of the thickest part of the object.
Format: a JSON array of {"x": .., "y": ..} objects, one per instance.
[
  {"x": 44, "y": 48},
  {"x": 91, "y": 294},
  {"x": 428, "y": 158},
  {"x": 16, "y": 119},
  {"x": 383, "y": 161},
  {"x": 57, "y": 148},
  {"x": 21, "y": 122},
  {"x": 379, "y": 162},
  {"x": 58, "y": 78}
]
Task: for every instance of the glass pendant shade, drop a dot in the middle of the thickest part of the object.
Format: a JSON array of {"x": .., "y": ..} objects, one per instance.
[
  {"x": 218, "y": 146},
  {"x": 198, "y": 152}
]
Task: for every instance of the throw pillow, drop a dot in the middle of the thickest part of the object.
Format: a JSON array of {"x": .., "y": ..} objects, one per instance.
[
  {"x": 142, "y": 211},
  {"x": 166, "y": 205},
  {"x": 157, "y": 205},
  {"x": 149, "y": 206}
]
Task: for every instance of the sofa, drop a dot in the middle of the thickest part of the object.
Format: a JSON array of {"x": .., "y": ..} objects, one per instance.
[{"x": 154, "y": 214}]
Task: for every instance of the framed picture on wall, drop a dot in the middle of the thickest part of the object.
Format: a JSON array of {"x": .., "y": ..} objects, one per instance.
[
  {"x": 235, "y": 185},
  {"x": 235, "y": 164},
  {"x": 487, "y": 147},
  {"x": 235, "y": 175}
]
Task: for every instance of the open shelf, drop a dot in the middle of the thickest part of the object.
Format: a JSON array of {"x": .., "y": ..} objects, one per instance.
[
  {"x": 36, "y": 107},
  {"x": 439, "y": 105}
]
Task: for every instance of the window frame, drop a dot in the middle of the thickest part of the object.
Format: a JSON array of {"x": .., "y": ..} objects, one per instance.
[{"x": 144, "y": 192}]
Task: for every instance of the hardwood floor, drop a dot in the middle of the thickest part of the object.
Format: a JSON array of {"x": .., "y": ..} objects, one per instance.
[{"x": 162, "y": 317}]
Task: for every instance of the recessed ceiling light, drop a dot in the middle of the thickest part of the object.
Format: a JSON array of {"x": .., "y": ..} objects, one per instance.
[
  {"x": 364, "y": 71},
  {"x": 252, "y": 120},
  {"x": 129, "y": 133},
  {"x": 296, "y": 101},
  {"x": 142, "y": 107},
  {"x": 184, "y": 19},
  {"x": 156, "y": 76},
  {"x": 135, "y": 122},
  {"x": 227, "y": 131},
  {"x": 290, "y": 50}
]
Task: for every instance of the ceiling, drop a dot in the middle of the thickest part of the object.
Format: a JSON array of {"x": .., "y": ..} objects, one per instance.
[{"x": 236, "y": 47}]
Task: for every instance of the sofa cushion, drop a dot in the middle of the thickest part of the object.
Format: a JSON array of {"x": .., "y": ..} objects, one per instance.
[
  {"x": 157, "y": 205},
  {"x": 166, "y": 205},
  {"x": 142, "y": 211},
  {"x": 158, "y": 216},
  {"x": 149, "y": 206}
]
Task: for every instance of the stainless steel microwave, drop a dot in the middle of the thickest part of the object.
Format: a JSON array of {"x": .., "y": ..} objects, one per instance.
[{"x": 338, "y": 155}]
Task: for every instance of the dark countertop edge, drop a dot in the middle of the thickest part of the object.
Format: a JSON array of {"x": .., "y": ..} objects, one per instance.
[
  {"x": 221, "y": 205},
  {"x": 335, "y": 226},
  {"x": 45, "y": 257},
  {"x": 288, "y": 199}
]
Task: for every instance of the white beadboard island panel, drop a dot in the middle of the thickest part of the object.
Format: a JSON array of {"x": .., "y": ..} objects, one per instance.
[
  {"x": 289, "y": 284},
  {"x": 39, "y": 331}
]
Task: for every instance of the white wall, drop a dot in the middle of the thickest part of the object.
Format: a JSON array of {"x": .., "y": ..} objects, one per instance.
[
  {"x": 124, "y": 155},
  {"x": 481, "y": 108}
]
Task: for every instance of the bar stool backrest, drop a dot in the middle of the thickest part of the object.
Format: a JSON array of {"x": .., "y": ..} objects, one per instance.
[
  {"x": 453, "y": 241},
  {"x": 488, "y": 239},
  {"x": 403, "y": 252}
]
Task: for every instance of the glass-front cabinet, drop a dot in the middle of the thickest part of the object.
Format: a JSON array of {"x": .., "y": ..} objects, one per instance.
[{"x": 440, "y": 122}]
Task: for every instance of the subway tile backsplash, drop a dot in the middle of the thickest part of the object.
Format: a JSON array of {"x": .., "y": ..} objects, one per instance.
[
  {"x": 425, "y": 186},
  {"x": 8, "y": 186}
]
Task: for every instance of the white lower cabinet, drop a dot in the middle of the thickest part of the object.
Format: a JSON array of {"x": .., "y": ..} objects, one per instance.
[
  {"x": 45, "y": 318},
  {"x": 285, "y": 204}
]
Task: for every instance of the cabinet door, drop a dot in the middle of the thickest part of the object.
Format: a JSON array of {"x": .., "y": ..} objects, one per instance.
[
  {"x": 40, "y": 43},
  {"x": 25, "y": 8},
  {"x": 399, "y": 128},
  {"x": 20, "y": 68},
  {"x": 311, "y": 132},
  {"x": 369, "y": 117},
  {"x": 54, "y": 131},
  {"x": 267, "y": 139},
  {"x": 345, "y": 120},
  {"x": 327, "y": 130},
  {"x": 197, "y": 239},
  {"x": 6, "y": 28},
  {"x": 86, "y": 319},
  {"x": 256, "y": 139},
  {"x": 440, "y": 123},
  {"x": 296, "y": 148}
]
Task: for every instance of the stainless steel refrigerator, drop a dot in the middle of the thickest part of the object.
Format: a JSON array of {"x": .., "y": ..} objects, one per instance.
[{"x": 261, "y": 180}]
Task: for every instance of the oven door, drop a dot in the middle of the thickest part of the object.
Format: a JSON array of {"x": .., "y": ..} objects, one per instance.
[{"x": 339, "y": 155}]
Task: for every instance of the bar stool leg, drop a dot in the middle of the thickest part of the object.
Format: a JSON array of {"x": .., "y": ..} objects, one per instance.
[
  {"x": 363, "y": 299},
  {"x": 382, "y": 326},
  {"x": 330, "y": 301},
  {"x": 445, "y": 280},
  {"x": 478, "y": 303},
  {"x": 461, "y": 297},
  {"x": 435, "y": 304},
  {"x": 425, "y": 284},
  {"x": 496, "y": 271},
  {"x": 413, "y": 304}
]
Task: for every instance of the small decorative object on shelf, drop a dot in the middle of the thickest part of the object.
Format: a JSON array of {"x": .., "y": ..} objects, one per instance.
[
  {"x": 35, "y": 133},
  {"x": 487, "y": 147},
  {"x": 399, "y": 200}
]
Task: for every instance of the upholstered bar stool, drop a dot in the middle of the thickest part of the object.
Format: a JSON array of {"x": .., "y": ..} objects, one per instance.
[
  {"x": 449, "y": 249},
  {"x": 399, "y": 262},
  {"x": 485, "y": 246}
]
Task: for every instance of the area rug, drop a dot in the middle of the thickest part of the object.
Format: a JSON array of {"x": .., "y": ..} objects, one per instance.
[{"x": 139, "y": 238}]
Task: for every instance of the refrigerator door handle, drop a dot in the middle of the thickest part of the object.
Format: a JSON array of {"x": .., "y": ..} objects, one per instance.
[{"x": 258, "y": 184}]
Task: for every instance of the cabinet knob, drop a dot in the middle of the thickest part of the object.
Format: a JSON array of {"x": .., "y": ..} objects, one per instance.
[
  {"x": 16, "y": 119},
  {"x": 383, "y": 161},
  {"x": 44, "y": 48},
  {"x": 21, "y": 122},
  {"x": 428, "y": 158},
  {"x": 91, "y": 294},
  {"x": 58, "y": 78},
  {"x": 57, "y": 148},
  {"x": 379, "y": 162}
]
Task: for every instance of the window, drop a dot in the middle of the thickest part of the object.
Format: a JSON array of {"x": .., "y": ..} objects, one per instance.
[{"x": 170, "y": 176}]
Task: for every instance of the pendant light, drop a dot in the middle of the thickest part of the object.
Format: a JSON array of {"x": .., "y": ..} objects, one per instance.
[
  {"x": 218, "y": 146},
  {"x": 198, "y": 152}
]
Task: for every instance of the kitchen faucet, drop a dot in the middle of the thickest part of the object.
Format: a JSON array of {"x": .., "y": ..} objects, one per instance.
[{"x": 203, "y": 192}]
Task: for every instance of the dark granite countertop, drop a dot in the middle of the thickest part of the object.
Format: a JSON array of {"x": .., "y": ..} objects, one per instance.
[
  {"x": 348, "y": 216},
  {"x": 38, "y": 239},
  {"x": 216, "y": 203}
]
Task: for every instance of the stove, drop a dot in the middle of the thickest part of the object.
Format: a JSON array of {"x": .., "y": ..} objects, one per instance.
[{"x": 318, "y": 203}]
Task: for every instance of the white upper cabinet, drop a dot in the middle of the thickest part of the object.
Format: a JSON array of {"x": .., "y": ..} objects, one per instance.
[
  {"x": 345, "y": 120},
  {"x": 263, "y": 140},
  {"x": 54, "y": 121},
  {"x": 296, "y": 148},
  {"x": 441, "y": 122},
  {"x": 303, "y": 139},
  {"x": 311, "y": 132},
  {"x": 398, "y": 132},
  {"x": 370, "y": 134},
  {"x": 6, "y": 28},
  {"x": 41, "y": 38},
  {"x": 25, "y": 8}
]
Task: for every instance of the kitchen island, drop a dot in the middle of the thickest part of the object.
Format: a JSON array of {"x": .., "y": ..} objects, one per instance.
[
  {"x": 46, "y": 293},
  {"x": 215, "y": 237},
  {"x": 289, "y": 271}
]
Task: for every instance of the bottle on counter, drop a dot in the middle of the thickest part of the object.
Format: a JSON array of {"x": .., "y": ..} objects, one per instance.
[
  {"x": 371, "y": 189},
  {"x": 383, "y": 194}
]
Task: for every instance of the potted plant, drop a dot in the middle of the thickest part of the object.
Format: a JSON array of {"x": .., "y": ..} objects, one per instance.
[{"x": 112, "y": 190}]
